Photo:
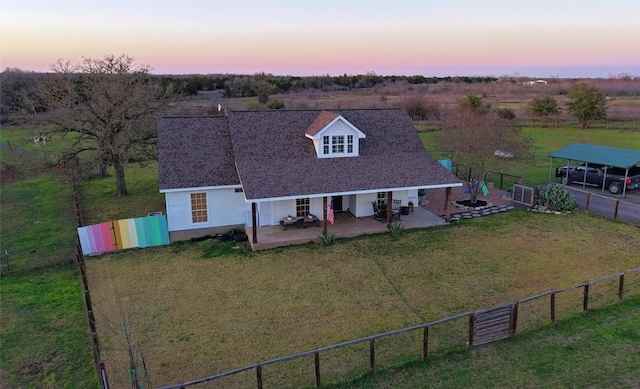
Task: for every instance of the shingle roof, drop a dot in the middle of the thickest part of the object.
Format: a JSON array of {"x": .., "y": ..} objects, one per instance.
[
  {"x": 321, "y": 121},
  {"x": 195, "y": 152},
  {"x": 275, "y": 159},
  {"x": 602, "y": 155}
]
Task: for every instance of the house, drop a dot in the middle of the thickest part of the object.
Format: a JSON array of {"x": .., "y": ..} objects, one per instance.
[{"x": 253, "y": 168}]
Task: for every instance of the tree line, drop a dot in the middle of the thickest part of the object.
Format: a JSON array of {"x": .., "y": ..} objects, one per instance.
[{"x": 109, "y": 105}]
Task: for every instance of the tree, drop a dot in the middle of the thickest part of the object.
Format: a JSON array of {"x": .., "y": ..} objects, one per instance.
[
  {"x": 472, "y": 140},
  {"x": 474, "y": 103},
  {"x": 109, "y": 105},
  {"x": 419, "y": 108},
  {"x": 17, "y": 94},
  {"x": 587, "y": 103},
  {"x": 542, "y": 108},
  {"x": 506, "y": 113}
]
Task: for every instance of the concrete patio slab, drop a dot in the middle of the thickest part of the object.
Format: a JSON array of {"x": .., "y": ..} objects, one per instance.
[{"x": 275, "y": 236}]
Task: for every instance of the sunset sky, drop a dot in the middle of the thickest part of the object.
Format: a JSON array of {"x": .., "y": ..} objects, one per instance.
[{"x": 301, "y": 38}]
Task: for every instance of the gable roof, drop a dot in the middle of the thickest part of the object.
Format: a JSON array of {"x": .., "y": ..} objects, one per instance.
[
  {"x": 195, "y": 152},
  {"x": 268, "y": 153},
  {"x": 275, "y": 159},
  {"x": 601, "y": 155},
  {"x": 321, "y": 121}
]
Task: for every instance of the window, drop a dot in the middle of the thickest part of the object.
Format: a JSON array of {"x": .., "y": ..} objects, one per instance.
[
  {"x": 302, "y": 207},
  {"x": 199, "y": 207},
  {"x": 382, "y": 199},
  {"x": 349, "y": 144},
  {"x": 337, "y": 144},
  {"x": 325, "y": 144},
  {"x": 238, "y": 190}
]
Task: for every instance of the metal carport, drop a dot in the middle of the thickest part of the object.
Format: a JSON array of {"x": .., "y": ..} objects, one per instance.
[{"x": 599, "y": 155}]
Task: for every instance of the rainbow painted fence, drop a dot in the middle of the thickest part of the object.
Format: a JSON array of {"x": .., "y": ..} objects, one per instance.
[{"x": 124, "y": 234}]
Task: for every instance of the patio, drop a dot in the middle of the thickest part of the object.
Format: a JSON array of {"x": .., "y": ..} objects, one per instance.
[{"x": 274, "y": 236}]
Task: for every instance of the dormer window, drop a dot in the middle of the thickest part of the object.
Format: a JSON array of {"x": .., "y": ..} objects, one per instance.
[
  {"x": 337, "y": 144},
  {"x": 333, "y": 136}
]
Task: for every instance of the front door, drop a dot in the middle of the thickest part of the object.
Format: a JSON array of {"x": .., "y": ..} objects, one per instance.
[{"x": 337, "y": 203}]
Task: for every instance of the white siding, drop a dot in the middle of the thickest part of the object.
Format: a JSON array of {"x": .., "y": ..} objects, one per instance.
[
  {"x": 338, "y": 128},
  {"x": 225, "y": 207}
]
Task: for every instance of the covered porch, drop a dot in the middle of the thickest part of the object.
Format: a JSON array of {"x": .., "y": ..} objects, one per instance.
[{"x": 275, "y": 236}]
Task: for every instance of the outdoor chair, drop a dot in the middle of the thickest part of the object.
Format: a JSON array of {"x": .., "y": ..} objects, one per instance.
[
  {"x": 395, "y": 209},
  {"x": 378, "y": 214}
]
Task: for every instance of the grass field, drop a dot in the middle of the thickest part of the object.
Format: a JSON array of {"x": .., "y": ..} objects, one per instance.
[
  {"x": 598, "y": 349},
  {"x": 196, "y": 315},
  {"x": 43, "y": 329},
  {"x": 546, "y": 141},
  {"x": 44, "y": 332},
  {"x": 206, "y": 307}
]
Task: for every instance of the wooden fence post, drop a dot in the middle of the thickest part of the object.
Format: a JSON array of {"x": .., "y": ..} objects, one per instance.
[
  {"x": 425, "y": 342},
  {"x": 472, "y": 319},
  {"x": 316, "y": 358},
  {"x": 621, "y": 288},
  {"x": 259, "y": 376},
  {"x": 553, "y": 307},
  {"x": 103, "y": 376},
  {"x": 514, "y": 323},
  {"x": 585, "y": 300},
  {"x": 586, "y": 207},
  {"x": 372, "y": 353}
]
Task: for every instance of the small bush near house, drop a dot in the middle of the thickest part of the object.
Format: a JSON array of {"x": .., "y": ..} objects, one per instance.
[
  {"x": 327, "y": 239},
  {"x": 395, "y": 228}
]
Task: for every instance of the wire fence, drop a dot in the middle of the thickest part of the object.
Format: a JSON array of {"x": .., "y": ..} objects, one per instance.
[
  {"x": 614, "y": 208},
  {"x": 462, "y": 331},
  {"x": 91, "y": 320}
]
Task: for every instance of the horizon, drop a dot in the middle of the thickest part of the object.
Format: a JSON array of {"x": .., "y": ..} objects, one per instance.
[{"x": 533, "y": 39}]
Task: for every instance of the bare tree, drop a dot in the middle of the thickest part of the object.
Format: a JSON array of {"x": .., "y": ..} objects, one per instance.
[
  {"x": 481, "y": 142},
  {"x": 108, "y": 105}
]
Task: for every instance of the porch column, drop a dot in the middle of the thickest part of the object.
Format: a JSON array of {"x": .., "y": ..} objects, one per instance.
[
  {"x": 389, "y": 202},
  {"x": 447, "y": 204},
  {"x": 254, "y": 223},
  {"x": 324, "y": 215}
]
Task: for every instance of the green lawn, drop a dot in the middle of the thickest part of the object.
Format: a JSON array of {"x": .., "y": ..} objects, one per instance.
[
  {"x": 45, "y": 342},
  {"x": 598, "y": 349},
  {"x": 44, "y": 335},
  {"x": 195, "y": 314}
]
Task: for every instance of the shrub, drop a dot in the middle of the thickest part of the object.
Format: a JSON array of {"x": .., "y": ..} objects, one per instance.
[
  {"x": 556, "y": 198},
  {"x": 327, "y": 239},
  {"x": 506, "y": 113},
  {"x": 395, "y": 228}
]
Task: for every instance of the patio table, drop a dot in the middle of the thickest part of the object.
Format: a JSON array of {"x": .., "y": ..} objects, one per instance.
[{"x": 289, "y": 221}]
